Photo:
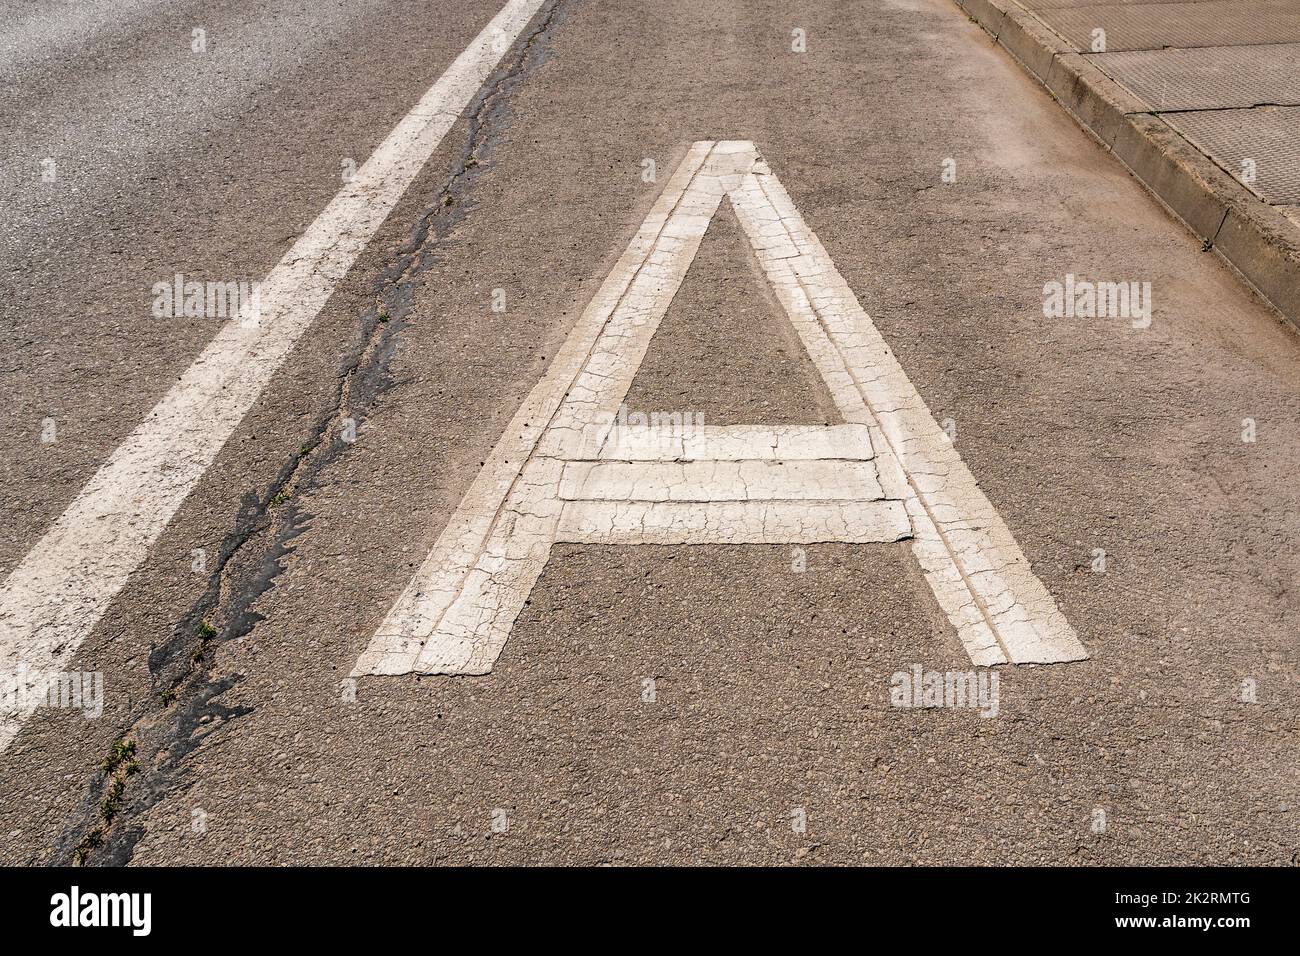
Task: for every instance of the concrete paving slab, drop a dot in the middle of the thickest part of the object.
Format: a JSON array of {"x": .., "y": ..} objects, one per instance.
[
  {"x": 1261, "y": 147},
  {"x": 1152, "y": 26},
  {"x": 1204, "y": 78}
]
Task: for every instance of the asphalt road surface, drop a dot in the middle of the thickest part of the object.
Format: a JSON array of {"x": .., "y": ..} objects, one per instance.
[{"x": 659, "y": 702}]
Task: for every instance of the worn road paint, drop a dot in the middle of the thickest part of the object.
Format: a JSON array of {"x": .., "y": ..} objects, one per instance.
[
  {"x": 53, "y": 599},
  {"x": 566, "y": 471}
]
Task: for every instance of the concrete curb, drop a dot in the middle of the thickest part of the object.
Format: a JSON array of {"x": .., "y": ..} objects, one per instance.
[{"x": 1253, "y": 237}]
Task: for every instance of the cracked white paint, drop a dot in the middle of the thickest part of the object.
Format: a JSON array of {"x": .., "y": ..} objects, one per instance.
[
  {"x": 733, "y": 522},
  {"x": 706, "y": 481},
  {"x": 564, "y": 471},
  {"x": 57, "y": 594},
  {"x": 739, "y": 442}
]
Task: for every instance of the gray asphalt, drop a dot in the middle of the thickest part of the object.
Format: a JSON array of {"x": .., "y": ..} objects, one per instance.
[{"x": 772, "y": 687}]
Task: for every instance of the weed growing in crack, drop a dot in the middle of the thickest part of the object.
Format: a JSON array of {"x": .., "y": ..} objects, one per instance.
[
  {"x": 91, "y": 840},
  {"x": 205, "y": 632},
  {"x": 123, "y": 752},
  {"x": 113, "y": 802},
  {"x": 120, "y": 763}
]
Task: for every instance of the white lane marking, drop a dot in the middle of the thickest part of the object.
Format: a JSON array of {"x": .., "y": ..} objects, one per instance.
[
  {"x": 567, "y": 469},
  {"x": 53, "y": 599}
]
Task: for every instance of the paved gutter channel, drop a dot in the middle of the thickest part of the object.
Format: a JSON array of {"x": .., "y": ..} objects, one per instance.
[{"x": 1259, "y": 238}]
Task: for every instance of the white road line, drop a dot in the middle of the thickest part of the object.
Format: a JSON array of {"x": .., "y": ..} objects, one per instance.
[
  {"x": 569, "y": 469},
  {"x": 53, "y": 599}
]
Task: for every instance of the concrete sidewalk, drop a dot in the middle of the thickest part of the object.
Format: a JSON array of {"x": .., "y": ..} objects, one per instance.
[{"x": 1201, "y": 100}]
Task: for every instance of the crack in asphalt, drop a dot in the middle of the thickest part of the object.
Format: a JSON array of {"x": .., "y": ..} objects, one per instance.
[{"x": 187, "y": 710}]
